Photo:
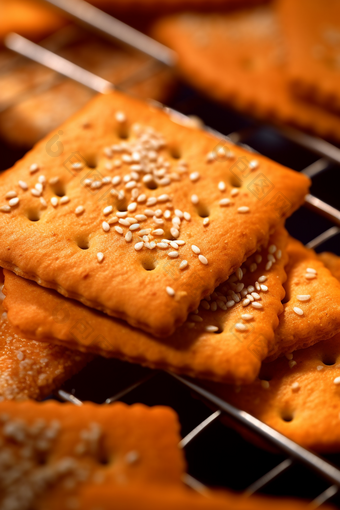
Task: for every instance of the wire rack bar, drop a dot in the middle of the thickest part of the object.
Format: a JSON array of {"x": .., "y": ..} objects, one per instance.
[
  {"x": 197, "y": 430},
  {"x": 95, "y": 19},
  {"x": 268, "y": 477}
]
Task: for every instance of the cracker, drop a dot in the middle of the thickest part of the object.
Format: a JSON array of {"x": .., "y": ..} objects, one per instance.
[
  {"x": 33, "y": 117},
  {"x": 153, "y": 498},
  {"x": 238, "y": 59},
  {"x": 299, "y": 396},
  {"x": 30, "y": 369},
  {"x": 222, "y": 353},
  {"x": 312, "y": 35},
  {"x": 77, "y": 252},
  {"x": 58, "y": 449},
  {"x": 311, "y": 312},
  {"x": 29, "y": 18}
]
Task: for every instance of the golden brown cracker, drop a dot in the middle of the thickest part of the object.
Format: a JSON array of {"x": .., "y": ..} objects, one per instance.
[
  {"x": 58, "y": 449},
  {"x": 210, "y": 344},
  {"x": 298, "y": 396},
  {"x": 41, "y": 99},
  {"x": 29, "y": 18},
  {"x": 311, "y": 310},
  {"x": 30, "y": 369},
  {"x": 239, "y": 58},
  {"x": 312, "y": 37},
  {"x": 153, "y": 498},
  {"x": 88, "y": 245}
]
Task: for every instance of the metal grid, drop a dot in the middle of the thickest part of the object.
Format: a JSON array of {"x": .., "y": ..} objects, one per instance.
[{"x": 133, "y": 383}]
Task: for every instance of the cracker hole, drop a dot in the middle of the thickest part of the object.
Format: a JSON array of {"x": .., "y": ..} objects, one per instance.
[
  {"x": 287, "y": 416},
  {"x": 123, "y": 132},
  {"x": 219, "y": 331},
  {"x": 328, "y": 359},
  {"x": 59, "y": 189},
  {"x": 83, "y": 243},
  {"x": 149, "y": 264},
  {"x": 175, "y": 153},
  {"x": 202, "y": 210},
  {"x": 33, "y": 215},
  {"x": 235, "y": 181},
  {"x": 151, "y": 184},
  {"x": 104, "y": 459}
]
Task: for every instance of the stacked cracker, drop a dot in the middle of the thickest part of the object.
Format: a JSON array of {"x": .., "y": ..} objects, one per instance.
[
  {"x": 278, "y": 62},
  {"x": 138, "y": 237}
]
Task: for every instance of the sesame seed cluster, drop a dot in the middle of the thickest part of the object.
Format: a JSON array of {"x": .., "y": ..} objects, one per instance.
[
  {"x": 163, "y": 198},
  {"x": 52, "y": 452}
]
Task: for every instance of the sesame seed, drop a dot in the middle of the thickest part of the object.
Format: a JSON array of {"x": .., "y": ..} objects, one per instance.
[
  {"x": 64, "y": 200},
  {"x": 247, "y": 316},
  {"x": 272, "y": 248},
  {"x": 35, "y": 192},
  {"x": 194, "y": 176},
  {"x": 298, "y": 310},
  {"x": 158, "y": 232},
  {"x": 174, "y": 245},
  {"x": 187, "y": 216},
  {"x": 194, "y": 199},
  {"x": 34, "y": 168},
  {"x": 116, "y": 180},
  {"x": 112, "y": 220},
  {"x": 132, "y": 207},
  {"x": 174, "y": 232},
  {"x": 205, "y": 304},
  {"x": 100, "y": 256},
  {"x": 292, "y": 363},
  {"x": 11, "y": 194},
  {"x": 303, "y": 297},
  {"x": 211, "y": 156},
  {"x": 224, "y": 202},
  {"x": 311, "y": 270},
  {"x": 120, "y": 117},
  {"x": 337, "y": 380},
  {"x": 180, "y": 242},
  {"x": 264, "y": 288},
  {"x": 241, "y": 327},
  {"x": 265, "y": 385},
  {"x": 253, "y": 164},
  {"x": 107, "y": 210},
  {"x": 230, "y": 303},
  {"x": 271, "y": 257},
  {"x": 151, "y": 201},
  {"x": 176, "y": 221},
  {"x": 289, "y": 355},
  {"x": 39, "y": 187},
  {"x": 128, "y": 236},
  {"x": 170, "y": 291},
  {"x": 196, "y": 318},
  {"x": 124, "y": 222},
  {"x": 278, "y": 254},
  {"x": 163, "y": 198},
  {"x": 253, "y": 267},
  {"x": 213, "y": 306},
  {"x": 234, "y": 192},
  {"x": 141, "y": 198},
  {"x": 119, "y": 230},
  {"x": 163, "y": 246},
  {"x": 256, "y": 295},
  {"x": 79, "y": 210},
  {"x": 203, "y": 259},
  {"x": 258, "y": 259},
  {"x": 319, "y": 367},
  {"x": 5, "y": 208},
  {"x": 239, "y": 273},
  {"x": 54, "y": 201},
  {"x": 295, "y": 386},
  {"x": 262, "y": 279},
  {"x": 206, "y": 221},
  {"x": 183, "y": 264},
  {"x": 43, "y": 202},
  {"x": 310, "y": 276},
  {"x": 139, "y": 246},
  {"x": 211, "y": 329},
  {"x": 14, "y": 201},
  {"x": 134, "y": 226},
  {"x": 140, "y": 217},
  {"x": 131, "y": 184},
  {"x": 257, "y": 305},
  {"x": 245, "y": 302},
  {"x": 53, "y": 180},
  {"x": 258, "y": 286},
  {"x": 106, "y": 226},
  {"x": 23, "y": 185},
  {"x": 243, "y": 209},
  {"x": 195, "y": 249},
  {"x": 269, "y": 265},
  {"x": 173, "y": 254},
  {"x": 221, "y": 186},
  {"x": 145, "y": 231}
]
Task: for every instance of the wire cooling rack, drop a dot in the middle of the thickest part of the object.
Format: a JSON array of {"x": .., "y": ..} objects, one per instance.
[{"x": 216, "y": 455}]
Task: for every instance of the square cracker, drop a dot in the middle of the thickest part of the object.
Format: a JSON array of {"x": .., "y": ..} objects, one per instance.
[
  {"x": 207, "y": 345},
  {"x": 312, "y": 290},
  {"x": 239, "y": 59},
  {"x": 30, "y": 369},
  {"x": 298, "y": 395},
  {"x": 58, "y": 449},
  {"x": 312, "y": 37},
  {"x": 139, "y": 278},
  {"x": 154, "y": 498}
]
